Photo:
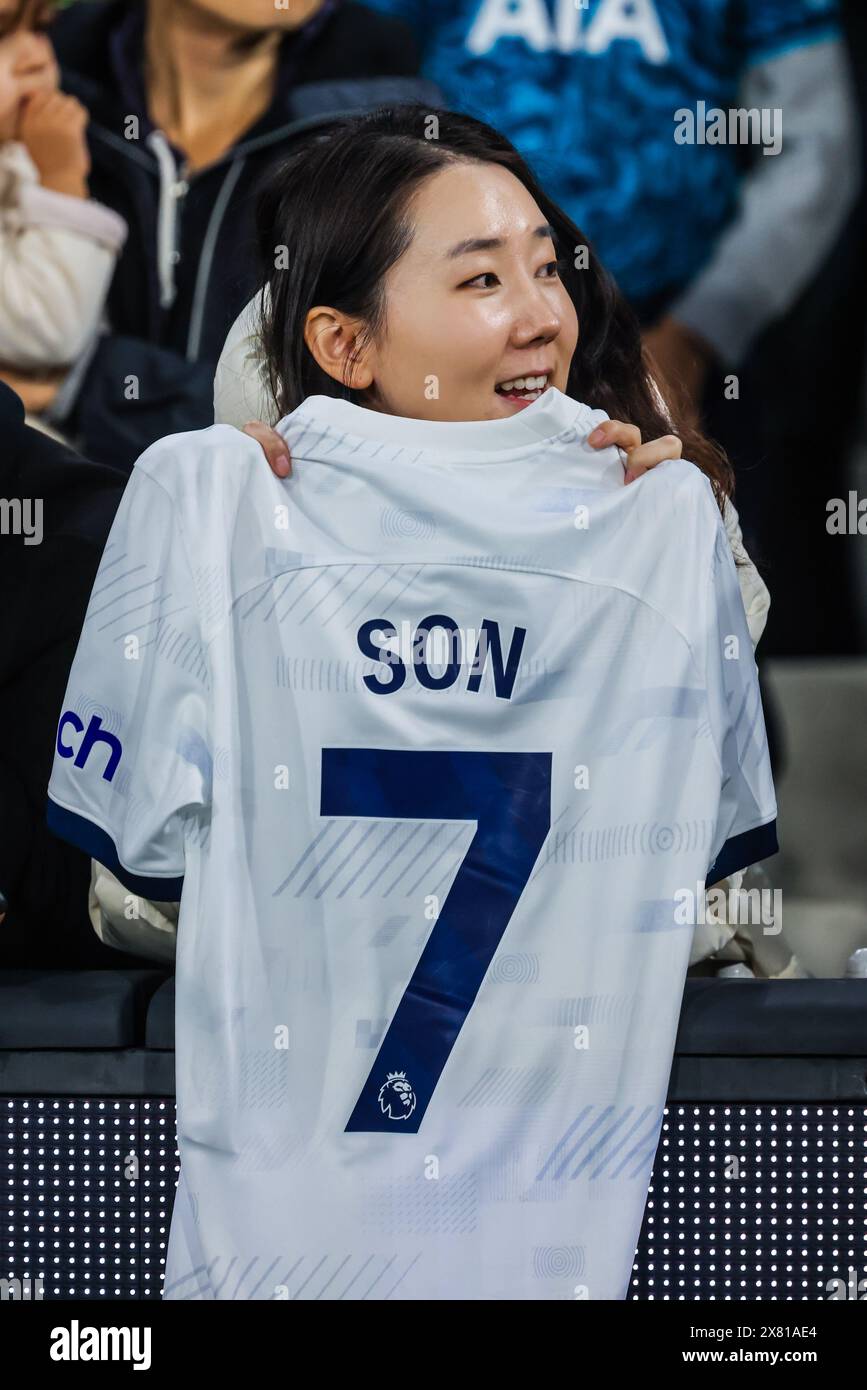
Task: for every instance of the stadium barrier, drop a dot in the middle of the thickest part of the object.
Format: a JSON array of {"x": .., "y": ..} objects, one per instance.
[{"x": 758, "y": 1188}]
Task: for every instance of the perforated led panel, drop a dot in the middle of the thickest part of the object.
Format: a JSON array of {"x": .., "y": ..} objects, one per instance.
[
  {"x": 86, "y": 1189},
  {"x": 754, "y": 1202}
]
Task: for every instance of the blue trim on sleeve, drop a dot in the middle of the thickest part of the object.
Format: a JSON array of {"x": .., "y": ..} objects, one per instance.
[
  {"x": 86, "y": 836},
  {"x": 743, "y": 850}
]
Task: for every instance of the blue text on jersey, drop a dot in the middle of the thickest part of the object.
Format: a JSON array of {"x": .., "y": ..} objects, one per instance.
[
  {"x": 488, "y": 640},
  {"x": 94, "y": 733}
]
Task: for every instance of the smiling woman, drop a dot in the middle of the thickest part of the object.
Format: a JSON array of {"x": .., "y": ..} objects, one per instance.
[
  {"x": 423, "y": 337},
  {"x": 475, "y": 328},
  {"x": 434, "y": 279}
]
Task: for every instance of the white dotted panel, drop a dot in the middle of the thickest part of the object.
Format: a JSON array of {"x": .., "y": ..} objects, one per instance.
[
  {"x": 754, "y": 1202},
  {"x": 746, "y": 1202},
  {"x": 85, "y": 1196}
]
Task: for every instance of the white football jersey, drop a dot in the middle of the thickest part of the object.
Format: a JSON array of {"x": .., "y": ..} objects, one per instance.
[{"x": 443, "y": 737}]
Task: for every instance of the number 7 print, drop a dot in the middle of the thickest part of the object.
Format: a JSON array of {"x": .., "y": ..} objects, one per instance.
[{"x": 508, "y": 795}]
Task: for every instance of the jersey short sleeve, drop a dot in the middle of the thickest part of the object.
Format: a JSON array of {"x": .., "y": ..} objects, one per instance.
[
  {"x": 132, "y": 765},
  {"x": 746, "y": 822}
]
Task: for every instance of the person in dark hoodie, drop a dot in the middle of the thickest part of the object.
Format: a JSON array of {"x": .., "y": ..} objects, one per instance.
[
  {"x": 190, "y": 102},
  {"x": 57, "y": 511}
]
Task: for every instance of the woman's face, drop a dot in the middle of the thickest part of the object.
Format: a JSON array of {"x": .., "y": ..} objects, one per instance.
[
  {"x": 257, "y": 14},
  {"x": 478, "y": 323}
]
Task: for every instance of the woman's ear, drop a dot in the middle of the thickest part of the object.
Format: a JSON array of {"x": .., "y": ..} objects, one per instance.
[{"x": 336, "y": 342}]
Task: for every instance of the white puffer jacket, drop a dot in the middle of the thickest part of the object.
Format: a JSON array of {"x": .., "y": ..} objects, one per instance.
[{"x": 57, "y": 257}]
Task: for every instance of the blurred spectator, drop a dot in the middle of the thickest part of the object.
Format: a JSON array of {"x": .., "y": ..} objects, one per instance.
[
  {"x": 189, "y": 104},
  {"x": 57, "y": 247},
  {"x": 717, "y": 245},
  {"x": 710, "y": 240},
  {"x": 57, "y": 511},
  {"x": 60, "y": 510}
]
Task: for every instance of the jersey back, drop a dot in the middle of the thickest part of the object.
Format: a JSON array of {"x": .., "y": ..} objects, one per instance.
[{"x": 440, "y": 735}]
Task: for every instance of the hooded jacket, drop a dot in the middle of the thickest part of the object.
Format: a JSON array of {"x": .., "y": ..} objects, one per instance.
[
  {"x": 53, "y": 527},
  {"x": 189, "y": 264}
]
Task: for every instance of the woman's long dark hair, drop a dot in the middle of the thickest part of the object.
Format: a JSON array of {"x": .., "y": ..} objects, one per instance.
[{"x": 333, "y": 220}]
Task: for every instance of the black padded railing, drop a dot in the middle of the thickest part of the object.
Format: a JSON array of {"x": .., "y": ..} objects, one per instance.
[{"x": 759, "y": 1188}]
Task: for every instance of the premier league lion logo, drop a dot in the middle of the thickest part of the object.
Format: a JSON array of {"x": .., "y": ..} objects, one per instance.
[{"x": 396, "y": 1097}]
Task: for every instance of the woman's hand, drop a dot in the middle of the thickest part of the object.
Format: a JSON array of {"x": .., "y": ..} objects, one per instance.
[
  {"x": 639, "y": 457},
  {"x": 273, "y": 447}
]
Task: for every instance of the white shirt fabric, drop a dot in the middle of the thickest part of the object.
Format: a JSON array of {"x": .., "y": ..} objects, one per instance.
[{"x": 430, "y": 959}]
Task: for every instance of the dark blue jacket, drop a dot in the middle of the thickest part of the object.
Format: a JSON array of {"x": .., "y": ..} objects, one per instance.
[
  {"x": 45, "y": 588},
  {"x": 189, "y": 264}
]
